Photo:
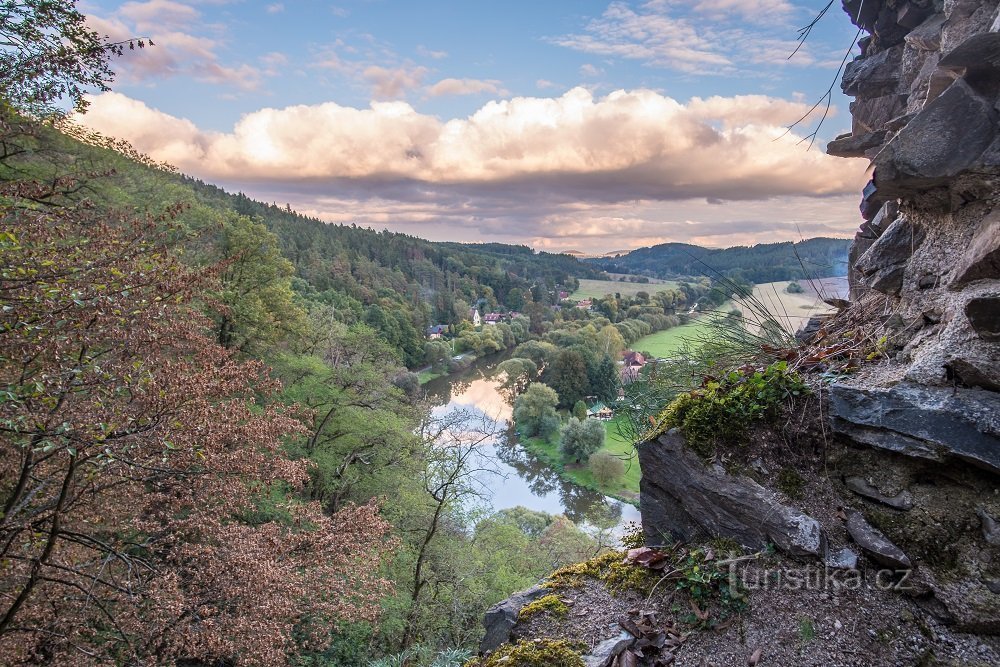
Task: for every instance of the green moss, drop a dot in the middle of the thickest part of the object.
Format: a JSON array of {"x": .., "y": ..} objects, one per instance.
[
  {"x": 549, "y": 603},
  {"x": 536, "y": 653},
  {"x": 609, "y": 568},
  {"x": 790, "y": 483}
]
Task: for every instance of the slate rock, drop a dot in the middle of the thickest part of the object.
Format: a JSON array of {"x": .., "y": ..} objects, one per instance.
[
  {"x": 982, "y": 258},
  {"x": 873, "y": 76},
  {"x": 604, "y": 654},
  {"x": 874, "y": 543},
  {"x": 841, "y": 559},
  {"x": 888, "y": 280},
  {"x": 942, "y": 141},
  {"x": 723, "y": 505},
  {"x": 883, "y": 264},
  {"x": 859, "y": 485},
  {"x": 501, "y": 618},
  {"x": 989, "y": 526},
  {"x": 852, "y": 146},
  {"x": 927, "y": 36},
  {"x": 978, "y": 56},
  {"x": 933, "y": 423},
  {"x": 984, "y": 316},
  {"x": 870, "y": 114},
  {"x": 975, "y": 370}
]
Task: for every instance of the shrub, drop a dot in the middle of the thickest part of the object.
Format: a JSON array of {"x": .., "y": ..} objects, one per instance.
[
  {"x": 607, "y": 468},
  {"x": 580, "y": 439}
]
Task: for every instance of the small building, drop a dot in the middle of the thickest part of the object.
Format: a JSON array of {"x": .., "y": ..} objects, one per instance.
[
  {"x": 474, "y": 317},
  {"x": 632, "y": 364},
  {"x": 493, "y": 318},
  {"x": 585, "y": 304},
  {"x": 435, "y": 331},
  {"x": 563, "y": 295},
  {"x": 600, "y": 411}
]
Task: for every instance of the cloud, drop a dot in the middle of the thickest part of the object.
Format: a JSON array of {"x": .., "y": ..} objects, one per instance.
[
  {"x": 465, "y": 87},
  {"x": 275, "y": 8},
  {"x": 629, "y": 168},
  {"x": 178, "y": 49},
  {"x": 545, "y": 84},
  {"x": 590, "y": 70},
  {"x": 428, "y": 53},
  {"x": 392, "y": 83}
]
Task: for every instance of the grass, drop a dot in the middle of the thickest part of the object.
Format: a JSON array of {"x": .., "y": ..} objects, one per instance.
[
  {"x": 625, "y": 489},
  {"x": 665, "y": 343},
  {"x": 595, "y": 289},
  {"x": 427, "y": 375},
  {"x": 791, "y": 310}
]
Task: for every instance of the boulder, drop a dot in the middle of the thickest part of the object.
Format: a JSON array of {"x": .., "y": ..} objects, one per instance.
[
  {"x": 870, "y": 114},
  {"x": 984, "y": 316},
  {"x": 982, "y": 258},
  {"x": 721, "y": 504},
  {"x": 501, "y": 618},
  {"x": 978, "y": 56},
  {"x": 941, "y": 142},
  {"x": 882, "y": 265},
  {"x": 934, "y": 423},
  {"x": 875, "y": 545},
  {"x": 975, "y": 370},
  {"x": 927, "y": 36},
  {"x": 873, "y": 76}
]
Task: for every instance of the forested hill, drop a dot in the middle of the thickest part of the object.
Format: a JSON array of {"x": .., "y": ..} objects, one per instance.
[{"x": 762, "y": 263}]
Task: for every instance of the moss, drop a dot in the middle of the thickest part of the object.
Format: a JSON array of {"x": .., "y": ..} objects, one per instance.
[
  {"x": 609, "y": 568},
  {"x": 536, "y": 653},
  {"x": 549, "y": 603},
  {"x": 790, "y": 483}
]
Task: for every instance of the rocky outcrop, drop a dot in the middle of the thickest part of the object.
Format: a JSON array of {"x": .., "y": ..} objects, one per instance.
[
  {"x": 501, "y": 618},
  {"x": 706, "y": 498}
]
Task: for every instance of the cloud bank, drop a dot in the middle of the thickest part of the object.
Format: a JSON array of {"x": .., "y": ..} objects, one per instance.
[{"x": 625, "y": 169}]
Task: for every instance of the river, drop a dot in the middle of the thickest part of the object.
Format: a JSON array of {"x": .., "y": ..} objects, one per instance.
[{"x": 516, "y": 476}]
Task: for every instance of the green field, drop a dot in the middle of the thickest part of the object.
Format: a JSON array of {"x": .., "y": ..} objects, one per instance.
[
  {"x": 665, "y": 343},
  {"x": 627, "y": 488},
  {"x": 791, "y": 310},
  {"x": 595, "y": 289}
]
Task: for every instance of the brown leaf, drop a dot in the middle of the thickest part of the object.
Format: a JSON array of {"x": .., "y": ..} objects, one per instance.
[{"x": 755, "y": 658}]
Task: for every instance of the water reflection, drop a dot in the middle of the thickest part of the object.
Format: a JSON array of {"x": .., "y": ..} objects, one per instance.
[{"x": 520, "y": 478}]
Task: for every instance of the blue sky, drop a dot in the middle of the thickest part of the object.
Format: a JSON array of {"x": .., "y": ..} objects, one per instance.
[{"x": 592, "y": 126}]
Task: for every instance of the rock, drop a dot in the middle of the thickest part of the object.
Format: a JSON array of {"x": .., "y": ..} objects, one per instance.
[
  {"x": 884, "y": 218},
  {"x": 723, "y": 505},
  {"x": 870, "y": 114},
  {"x": 888, "y": 280},
  {"x": 990, "y": 527},
  {"x": 875, "y": 545},
  {"x": 984, "y": 316},
  {"x": 873, "y": 76},
  {"x": 941, "y": 142},
  {"x": 852, "y": 146},
  {"x": 604, "y": 654},
  {"x": 927, "y": 36},
  {"x": 927, "y": 281},
  {"x": 975, "y": 370},
  {"x": 502, "y": 617},
  {"x": 934, "y": 423},
  {"x": 841, "y": 559},
  {"x": 883, "y": 263},
  {"x": 901, "y": 501},
  {"x": 982, "y": 258},
  {"x": 978, "y": 56}
]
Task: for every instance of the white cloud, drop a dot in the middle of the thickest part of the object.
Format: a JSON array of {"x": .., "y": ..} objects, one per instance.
[
  {"x": 465, "y": 87},
  {"x": 389, "y": 83},
  {"x": 275, "y": 8},
  {"x": 590, "y": 70}
]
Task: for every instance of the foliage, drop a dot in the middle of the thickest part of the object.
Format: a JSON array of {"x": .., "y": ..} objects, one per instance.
[
  {"x": 567, "y": 375},
  {"x": 794, "y": 288},
  {"x": 535, "y": 410},
  {"x": 580, "y": 410},
  {"x": 607, "y": 468},
  {"x": 722, "y": 411},
  {"x": 580, "y": 439},
  {"x": 547, "y": 603},
  {"x": 520, "y": 372},
  {"x": 48, "y": 53},
  {"x": 135, "y": 454},
  {"x": 611, "y": 568},
  {"x": 533, "y": 653}
]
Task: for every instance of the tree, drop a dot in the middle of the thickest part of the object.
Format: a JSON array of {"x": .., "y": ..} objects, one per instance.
[
  {"x": 580, "y": 439},
  {"x": 48, "y": 53},
  {"x": 607, "y": 468},
  {"x": 605, "y": 380},
  {"x": 133, "y": 458},
  {"x": 794, "y": 288},
  {"x": 580, "y": 410},
  {"x": 535, "y": 410},
  {"x": 437, "y": 353},
  {"x": 568, "y": 376},
  {"x": 519, "y": 372}
]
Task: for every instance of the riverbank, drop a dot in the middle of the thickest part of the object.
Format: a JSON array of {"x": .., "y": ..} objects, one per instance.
[{"x": 625, "y": 489}]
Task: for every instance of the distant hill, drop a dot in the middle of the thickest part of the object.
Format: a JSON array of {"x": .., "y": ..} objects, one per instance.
[{"x": 761, "y": 263}]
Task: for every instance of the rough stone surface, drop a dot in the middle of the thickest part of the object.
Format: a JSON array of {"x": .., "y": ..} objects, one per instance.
[
  {"x": 841, "y": 559},
  {"x": 603, "y": 654},
  {"x": 723, "y": 505},
  {"x": 933, "y": 423},
  {"x": 901, "y": 501},
  {"x": 938, "y": 144},
  {"x": 982, "y": 260},
  {"x": 984, "y": 316},
  {"x": 883, "y": 264},
  {"x": 875, "y": 545},
  {"x": 870, "y": 114},
  {"x": 978, "y": 56},
  {"x": 857, "y": 146},
  {"x": 501, "y": 617},
  {"x": 927, "y": 36},
  {"x": 874, "y": 76}
]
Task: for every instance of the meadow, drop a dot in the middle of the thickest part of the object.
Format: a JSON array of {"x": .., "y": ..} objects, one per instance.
[{"x": 595, "y": 289}]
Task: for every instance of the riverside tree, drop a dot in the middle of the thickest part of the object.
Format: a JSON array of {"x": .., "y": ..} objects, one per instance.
[
  {"x": 580, "y": 439},
  {"x": 535, "y": 411}
]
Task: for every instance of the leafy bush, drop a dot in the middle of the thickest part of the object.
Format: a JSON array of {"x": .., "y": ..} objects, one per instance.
[
  {"x": 580, "y": 439},
  {"x": 607, "y": 468}
]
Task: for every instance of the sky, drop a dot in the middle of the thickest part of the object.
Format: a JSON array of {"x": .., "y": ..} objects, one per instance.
[{"x": 567, "y": 126}]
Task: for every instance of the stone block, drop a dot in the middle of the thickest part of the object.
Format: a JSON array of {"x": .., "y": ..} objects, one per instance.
[
  {"x": 874, "y": 76},
  {"x": 981, "y": 261}
]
